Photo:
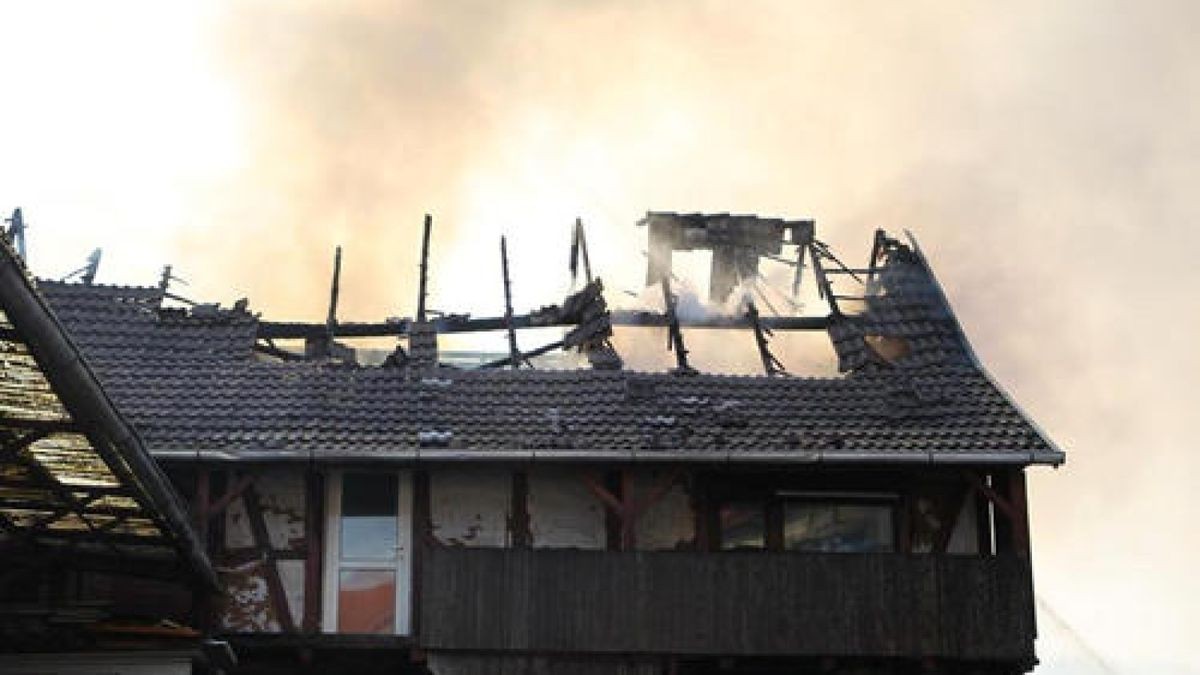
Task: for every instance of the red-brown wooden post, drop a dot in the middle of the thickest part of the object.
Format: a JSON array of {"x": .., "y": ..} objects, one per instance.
[
  {"x": 202, "y": 598},
  {"x": 314, "y": 514},
  {"x": 628, "y": 512},
  {"x": 1018, "y": 498}
]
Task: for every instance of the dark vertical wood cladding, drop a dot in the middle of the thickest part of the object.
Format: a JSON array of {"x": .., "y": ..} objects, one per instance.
[{"x": 735, "y": 603}]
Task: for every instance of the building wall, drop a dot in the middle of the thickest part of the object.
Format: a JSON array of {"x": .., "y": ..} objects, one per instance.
[
  {"x": 563, "y": 513},
  {"x": 668, "y": 524},
  {"x": 471, "y": 506}
]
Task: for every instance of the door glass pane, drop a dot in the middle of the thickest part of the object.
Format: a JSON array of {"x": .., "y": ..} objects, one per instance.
[
  {"x": 367, "y": 601},
  {"x": 838, "y": 528},
  {"x": 369, "y": 504},
  {"x": 743, "y": 525}
]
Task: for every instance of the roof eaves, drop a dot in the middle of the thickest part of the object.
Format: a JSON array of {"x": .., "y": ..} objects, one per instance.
[{"x": 780, "y": 457}]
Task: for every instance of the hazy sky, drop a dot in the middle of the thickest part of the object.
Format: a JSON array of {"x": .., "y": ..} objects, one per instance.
[{"x": 1041, "y": 152}]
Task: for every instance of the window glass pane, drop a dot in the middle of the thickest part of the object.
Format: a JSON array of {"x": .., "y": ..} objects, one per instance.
[
  {"x": 838, "y": 528},
  {"x": 367, "y": 601},
  {"x": 369, "y": 504},
  {"x": 743, "y": 525}
]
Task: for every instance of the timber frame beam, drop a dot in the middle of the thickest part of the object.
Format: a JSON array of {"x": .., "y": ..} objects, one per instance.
[
  {"x": 1007, "y": 495},
  {"x": 627, "y": 507}
]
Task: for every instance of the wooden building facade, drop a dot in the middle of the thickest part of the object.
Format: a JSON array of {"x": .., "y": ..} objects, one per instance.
[{"x": 412, "y": 517}]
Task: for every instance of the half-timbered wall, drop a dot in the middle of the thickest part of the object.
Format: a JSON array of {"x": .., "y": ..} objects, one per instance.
[
  {"x": 668, "y": 521},
  {"x": 274, "y": 506},
  {"x": 562, "y": 512},
  {"x": 471, "y": 506}
]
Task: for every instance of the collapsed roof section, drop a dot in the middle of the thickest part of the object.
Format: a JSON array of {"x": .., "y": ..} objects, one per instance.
[
  {"x": 193, "y": 385},
  {"x": 75, "y": 481},
  {"x": 737, "y": 242}
]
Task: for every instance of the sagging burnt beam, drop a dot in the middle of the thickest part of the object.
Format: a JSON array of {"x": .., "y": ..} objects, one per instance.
[
  {"x": 108, "y": 540},
  {"x": 45, "y": 427},
  {"x": 275, "y": 330},
  {"x": 30, "y": 556}
]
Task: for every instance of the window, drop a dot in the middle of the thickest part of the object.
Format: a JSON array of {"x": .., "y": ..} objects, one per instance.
[
  {"x": 834, "y": 527},
  {"x": 367, "y": 556},
  {"x": 818, "y": 522}
]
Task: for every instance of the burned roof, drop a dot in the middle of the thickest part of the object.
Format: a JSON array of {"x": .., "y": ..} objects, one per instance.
[
  {"x": 194, "y": 388},
  {"x": 75, "y": 481}
]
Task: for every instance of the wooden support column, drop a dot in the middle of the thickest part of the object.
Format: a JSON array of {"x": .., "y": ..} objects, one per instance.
[
  {"x": 1018, "y": 497},
  {"x": 522, "y": 537},
  {"x": 773, "y": 521},
  {"x": 422, "y": 538},
  {"x": 707, "y": 510},
  {"x": 629, "y": 511},
  {"x": 200, "y": 506},
  {"x": 996, "y": 488},
  {"x": 904, "y": 528},
  {"x": 202, "y": 609},
  {"x": 314, "y": 516}
]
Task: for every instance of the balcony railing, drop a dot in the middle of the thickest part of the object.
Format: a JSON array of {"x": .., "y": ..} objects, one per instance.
[{"x": 727, "y": 603}]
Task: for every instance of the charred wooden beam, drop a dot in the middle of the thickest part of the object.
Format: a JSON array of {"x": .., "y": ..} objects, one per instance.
[
  {"x": 331, "y": 316},
  {"x": 421, "y": 292},
  {"x": 824, "y": 287},
  {"x": 516, "y": 360},
  {"x": 674, "y": 334},
  {"x": 30, "y": 556},
  {"x": 277, "y": 330},
  {"x": 9, "y": 449},
  {"x": 579, "y": 250},
  {"x": 514, "y": 355},
  {"x": 771, "y": 365},
  {"x": 42, "y": 428}
]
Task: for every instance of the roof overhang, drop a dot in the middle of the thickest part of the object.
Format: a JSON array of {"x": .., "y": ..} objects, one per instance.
[{"x": 76, "y": 483}]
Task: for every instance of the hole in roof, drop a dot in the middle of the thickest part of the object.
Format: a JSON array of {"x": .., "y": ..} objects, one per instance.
[{"x": 890, "y": 348}]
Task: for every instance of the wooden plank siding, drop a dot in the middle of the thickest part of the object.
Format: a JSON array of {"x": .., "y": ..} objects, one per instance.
[{"x": 690, "y": 603}]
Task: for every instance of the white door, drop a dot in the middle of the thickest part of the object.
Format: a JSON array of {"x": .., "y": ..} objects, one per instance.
[{"x": 368, "y": 552}]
